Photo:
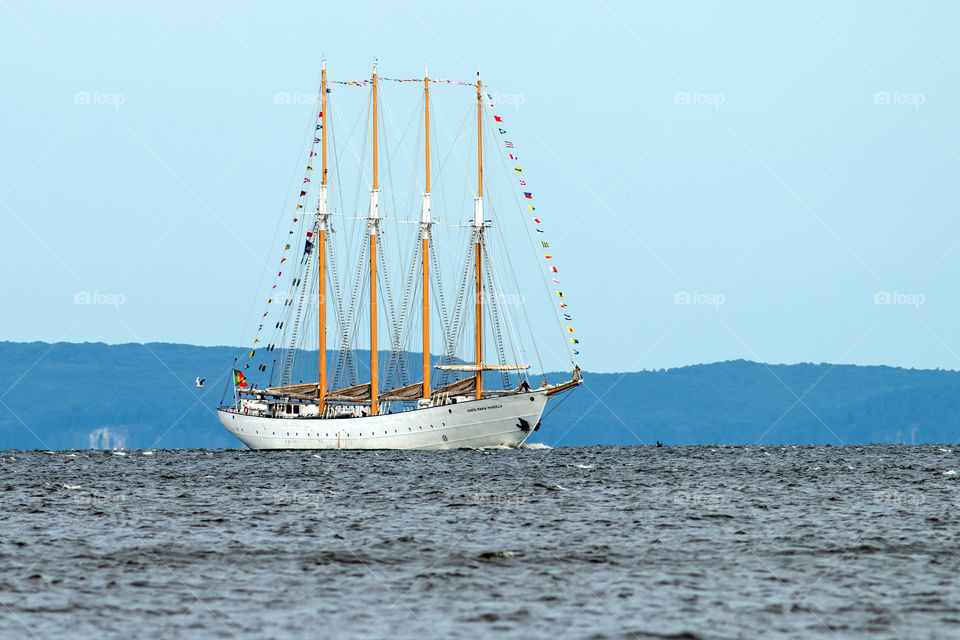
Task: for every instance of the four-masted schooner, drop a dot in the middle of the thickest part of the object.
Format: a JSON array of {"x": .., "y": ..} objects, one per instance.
[{"x": 461, "y": 413}]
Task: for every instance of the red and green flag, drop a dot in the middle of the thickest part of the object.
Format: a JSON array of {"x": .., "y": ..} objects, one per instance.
[{"x": 239, "y": 380}]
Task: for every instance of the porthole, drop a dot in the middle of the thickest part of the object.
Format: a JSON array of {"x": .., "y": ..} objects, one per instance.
[
  {"x": 531, "y": 398},
  {"x": 449, "y": 410},
  {"x": 444, "y": 437}
]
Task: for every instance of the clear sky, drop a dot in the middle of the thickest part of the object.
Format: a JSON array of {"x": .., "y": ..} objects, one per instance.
[{"x": 765, "y": 180}]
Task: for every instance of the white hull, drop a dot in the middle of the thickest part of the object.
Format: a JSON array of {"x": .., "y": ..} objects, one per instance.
[{"x": 476, "y": 423}]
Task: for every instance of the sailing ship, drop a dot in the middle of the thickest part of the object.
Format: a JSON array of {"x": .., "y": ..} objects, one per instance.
[{"x": 452, "y": 404}]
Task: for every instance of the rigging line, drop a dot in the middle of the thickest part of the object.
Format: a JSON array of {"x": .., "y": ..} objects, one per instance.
[
  {"x": 450, "y": 331},
  {"x": 456, "y": 324},
  {"x": 282, "y": 326},
  {"x": 492, "y": 304},
  {"x": 540, "y": 268},
  {"x": 304, "y": 360},
  {"x": 438, "y": 178},
  {"x": 402, "y": 331},
  {"x": 450, "y": 153},
  {"x": 276, "y": 232},
  {"x": 564, "y": 395},
  {"x": 397, "y": 365},
  {"x": 345, "y": 362},
  {"x": 503, "y": 306},
  {"x": 358, "y": 292},
  {"x": 333, "y": 271},
  {"x": 294, "y": 279},
  {"x": 344, "y": 358},
  {"x": 359, "y": 229},
  {"x": 417, "y": 151},
  {"x": 441, "y": 306},
  {"x": 388, "y": 112},
  {"x": 361, "y": 116},
  {"x": 304, "y": 288},
  {"x": 386, "y": 294},
  {"x": 523, "y": 307},
  {"x": 497, "y": 286},
  {"x": 359, "y": 156},
  {"x": 513, "y": 323}
]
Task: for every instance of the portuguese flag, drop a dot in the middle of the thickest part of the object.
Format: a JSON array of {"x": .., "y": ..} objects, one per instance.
[{"x": 239, "y": 380}]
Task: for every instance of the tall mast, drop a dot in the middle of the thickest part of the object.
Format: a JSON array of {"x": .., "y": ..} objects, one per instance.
[
  {"x": 425, "y": 249},
  {"x": 322, "y": 246},
  {"x": 373, "y": 229},
  {"x": 478, "y": 239}
]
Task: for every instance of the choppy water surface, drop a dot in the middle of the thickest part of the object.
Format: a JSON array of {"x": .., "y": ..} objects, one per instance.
[{"x": 692, "y": 542}]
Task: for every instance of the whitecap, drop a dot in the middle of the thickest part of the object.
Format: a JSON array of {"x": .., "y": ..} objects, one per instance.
[
  {"x": 584, "y": 466},
  {"x": 535, "y": 445},
  {"x": 69, "y": 486},
  {"x": 118, "y": 453},
  {"x": 944, "y": 450},
  {"x": 949, "y": 472},
  {"x": 146, "y": 453}
]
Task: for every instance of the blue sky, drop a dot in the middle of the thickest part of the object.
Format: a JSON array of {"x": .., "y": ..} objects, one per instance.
[{"x": 772, "y": 181}]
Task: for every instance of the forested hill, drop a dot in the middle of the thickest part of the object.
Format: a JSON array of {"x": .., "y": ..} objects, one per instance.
[{"x": 65, "y": 395}]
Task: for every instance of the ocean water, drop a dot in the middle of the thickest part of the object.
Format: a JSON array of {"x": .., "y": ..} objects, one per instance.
[{"x": 605, "y": 542}]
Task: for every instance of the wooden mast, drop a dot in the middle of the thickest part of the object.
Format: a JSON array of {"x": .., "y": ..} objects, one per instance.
[
  {"x": 478, "y": 235},
  {"x": 322, "y": 247},
  {"x": 425, "y": 249},
  {"x": 373, "y": 227}
]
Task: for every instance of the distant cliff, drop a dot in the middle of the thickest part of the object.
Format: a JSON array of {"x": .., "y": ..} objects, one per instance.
[{"x": 64, "y": 395}]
